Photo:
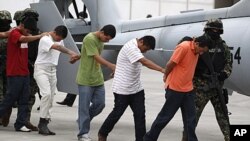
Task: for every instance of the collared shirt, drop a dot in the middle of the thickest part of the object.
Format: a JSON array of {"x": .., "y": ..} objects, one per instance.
[{"x": 128, "y": 70}]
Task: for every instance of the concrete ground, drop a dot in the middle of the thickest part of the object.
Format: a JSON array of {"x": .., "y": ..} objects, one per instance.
[{"x": 64, "y": 118}]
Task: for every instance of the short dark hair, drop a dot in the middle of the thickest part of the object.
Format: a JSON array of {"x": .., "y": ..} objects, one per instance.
[
  {"x": 109, "y": 30},
  {"x": 62, "y": 31},
  {"x": 203, "y": 41},
  {"x": 186, "y": 38},
  {"x": 149, "y": 41},
  {"x": 30, "y": 24}
]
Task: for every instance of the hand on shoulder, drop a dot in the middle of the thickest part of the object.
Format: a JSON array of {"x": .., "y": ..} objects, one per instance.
[{"x": 44, "y": 34}]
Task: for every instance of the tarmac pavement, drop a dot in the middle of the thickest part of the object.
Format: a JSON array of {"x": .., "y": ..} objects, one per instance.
[{"x": 64, "y": 118}]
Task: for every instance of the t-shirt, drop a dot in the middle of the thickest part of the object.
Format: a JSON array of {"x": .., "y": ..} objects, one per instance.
[
  {"x": 128, "y": 70},
  {"x": 89, "y": 70},
  {"x": 46, "y": 55},
  {"x": 180, "y": 78},
  {"x": 17, "y": 55}
]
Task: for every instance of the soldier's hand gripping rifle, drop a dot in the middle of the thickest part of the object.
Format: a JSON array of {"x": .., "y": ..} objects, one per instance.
[{"x": 214, "y": 82}]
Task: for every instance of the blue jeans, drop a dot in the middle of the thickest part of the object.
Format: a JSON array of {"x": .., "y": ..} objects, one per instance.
[
  {"x": 17, "y": 89},
  {"x": 137, "y": 104},
  {"x": 174, "y": 101},
  {"x": 91, "y": 103}
]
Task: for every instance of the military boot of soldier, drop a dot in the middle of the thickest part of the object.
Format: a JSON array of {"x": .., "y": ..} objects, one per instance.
[{"x": 6, "y": 118}]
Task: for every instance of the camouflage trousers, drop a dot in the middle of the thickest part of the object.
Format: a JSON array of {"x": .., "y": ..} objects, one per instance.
[
  {"x": 202, "y": 98},
  {"x": 3, "y": 80}
]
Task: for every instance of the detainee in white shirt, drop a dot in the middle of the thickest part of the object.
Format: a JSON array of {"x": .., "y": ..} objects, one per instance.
[
  {"x": 127, "y": 87},
  {"x": 49, "y": 49}
]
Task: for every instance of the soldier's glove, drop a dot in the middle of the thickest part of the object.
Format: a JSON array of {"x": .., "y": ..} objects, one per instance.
[{"x": 222, "y": 76}]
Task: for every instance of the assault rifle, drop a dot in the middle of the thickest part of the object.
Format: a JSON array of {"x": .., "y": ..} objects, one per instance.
[{"x": 214, "y": 82}]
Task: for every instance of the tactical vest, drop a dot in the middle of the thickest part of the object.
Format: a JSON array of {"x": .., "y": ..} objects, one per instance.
[{"x": 217, "y": 54}]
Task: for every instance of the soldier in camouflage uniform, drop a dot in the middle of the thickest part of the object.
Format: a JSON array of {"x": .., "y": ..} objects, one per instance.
[
  {"x": 5, "y": 21},
  {"x": 32, "y": 54},
  {"x": 222, "y": 63}
]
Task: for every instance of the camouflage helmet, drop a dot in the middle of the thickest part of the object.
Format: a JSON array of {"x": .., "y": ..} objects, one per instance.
[
  {"x": 214, "y": 24},
  {"x": 18, "y": 15},
  {"x": 31, "y": 13},
  {"x": 5, "y": 15}
]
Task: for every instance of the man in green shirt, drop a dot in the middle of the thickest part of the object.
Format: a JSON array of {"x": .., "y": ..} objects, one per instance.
[{"x": 90, "y": 78}]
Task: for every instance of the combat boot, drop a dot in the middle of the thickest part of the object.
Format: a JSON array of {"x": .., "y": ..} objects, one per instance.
[
  {"x": 6, "y": 117},
  {"x": 43, "y": 127}
]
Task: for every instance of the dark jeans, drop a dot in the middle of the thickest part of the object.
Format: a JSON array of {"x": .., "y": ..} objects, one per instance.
[
  {"x": 17, "y": 89},
  {"x": 137, "y": 104},
  {"x": 174, "y": 101}
]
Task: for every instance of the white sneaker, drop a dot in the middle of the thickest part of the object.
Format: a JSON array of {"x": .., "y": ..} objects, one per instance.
[
  {"x": 84, "y": 137},
  {"x": 24, "y": 129}
]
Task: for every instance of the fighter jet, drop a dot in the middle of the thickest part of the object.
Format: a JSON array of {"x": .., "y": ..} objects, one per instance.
[{"x": 167, "y": 30}]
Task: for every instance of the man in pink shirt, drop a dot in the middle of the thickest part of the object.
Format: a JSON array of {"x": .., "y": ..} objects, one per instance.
[{"x": 179, "y": 87}]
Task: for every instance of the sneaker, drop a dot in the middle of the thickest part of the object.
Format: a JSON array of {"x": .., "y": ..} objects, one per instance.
[
  {"x": 84, "y": 137},
  {"x": 23, "y": 129}
]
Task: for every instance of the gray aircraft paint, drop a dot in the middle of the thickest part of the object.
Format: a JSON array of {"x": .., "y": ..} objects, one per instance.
[{"x": 168, "y": 30}]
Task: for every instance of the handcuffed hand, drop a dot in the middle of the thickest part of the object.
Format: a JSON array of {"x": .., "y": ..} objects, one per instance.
[{"x": 74, "y": 58}]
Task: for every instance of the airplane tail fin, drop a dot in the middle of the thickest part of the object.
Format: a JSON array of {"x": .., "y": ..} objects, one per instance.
[
  {"x": 48, "y": 20},
  {"x": 103, "y": 12}
]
